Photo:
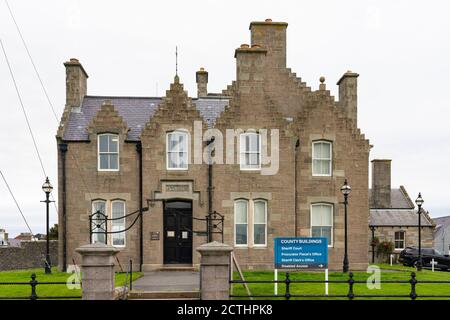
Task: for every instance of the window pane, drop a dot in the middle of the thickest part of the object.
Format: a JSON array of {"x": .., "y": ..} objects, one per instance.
[
  {"x": 113, "y": 143},
  {"x": 260, "y": 234},
  {"x": 104, "y": 161},
  {"x": 118, "y": 239},
  {"x": 103, "y": 143},
  {"x": 321, "y": 215},
  {"x": 182, "y": 142},
  {"x": 315, "y": 232},
  {"x": 326, "y": 151},
  {"x": 113, "y": 161},
  {"x": 241, "y": 234},
  {"x": 241, "y": 212},
  {"x": 172, "y": 142},
  {"x": 118, "y": 209},
  {"x": 317, "y": 167},
  {"x": 326, "y": 233},
  {"x": 98, "y": 206},
  {"x": 182, "y": 159},
  {"x": 253, "y": 143},
  {"x": 260, "y": 212},
  {"x": 326, "y": 167},
  {"x": 317, "y": 147},
  {"x": 254, "y": 159},
  {"x": 173, "y": 160}
]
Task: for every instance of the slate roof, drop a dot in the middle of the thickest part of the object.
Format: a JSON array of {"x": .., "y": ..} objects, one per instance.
[
  {"x": 135, "y": 111},
  {"x": 399, "y": 199},
  {"x": 397, "y": 217}
]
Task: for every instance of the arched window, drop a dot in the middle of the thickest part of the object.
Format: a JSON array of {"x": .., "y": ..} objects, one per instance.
[
  {"x": 260, "y": 223},
  {"x": 321, "y": 158},
  {"x": 98, "y": 222},
  {"x": 241, "y": 222},
  {"x": 322, "y": 221},
  {"x": 250, "y": 151},
  {"x": 108, "y": 152},
  {"x": 177, "y": 150}
]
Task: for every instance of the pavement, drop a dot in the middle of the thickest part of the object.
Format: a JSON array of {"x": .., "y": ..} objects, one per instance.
[{"x": 168, "y": 281}]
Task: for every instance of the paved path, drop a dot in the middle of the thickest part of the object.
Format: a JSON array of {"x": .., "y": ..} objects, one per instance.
[{"x": 168, "y": 281}]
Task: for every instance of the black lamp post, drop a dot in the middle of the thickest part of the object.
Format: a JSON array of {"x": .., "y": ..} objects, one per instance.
[
  {"x": 419, "y": 202},
  {"x": 47, "y": 188},
  {"x": 345, "y": 191}
]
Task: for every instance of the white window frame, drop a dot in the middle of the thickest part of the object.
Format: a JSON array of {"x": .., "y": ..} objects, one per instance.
[
  {"x": 404, "y": 239},
  {"x": 324, "y": 159},
  {"x": 108, "y": 153},
  {"x": 93, "y": 235},
  {"x": 124, "y": 224},
  {"x": 331, "y": 244},
  {"x": 243, "y": 165},
  {"x": 247, "y": 203},
  {"x": 168, "y": 151},
  {"x": 254, "y": 223}
]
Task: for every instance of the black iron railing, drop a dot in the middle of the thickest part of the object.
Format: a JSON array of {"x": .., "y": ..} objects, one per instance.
[
  {"x": 33, "y": 283},
  {"x": 350, "y": 291}
]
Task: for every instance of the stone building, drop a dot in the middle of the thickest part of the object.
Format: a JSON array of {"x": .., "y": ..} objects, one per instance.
[
  {"x": 277, "y": 172},
  {"x": 393, "y": 216}
]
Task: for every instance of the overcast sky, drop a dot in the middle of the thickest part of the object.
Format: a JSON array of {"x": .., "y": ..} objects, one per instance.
[{"x": 401, "y": 50}]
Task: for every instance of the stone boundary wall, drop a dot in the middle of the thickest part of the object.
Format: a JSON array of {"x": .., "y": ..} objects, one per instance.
[{"x": 30, "y": 254}]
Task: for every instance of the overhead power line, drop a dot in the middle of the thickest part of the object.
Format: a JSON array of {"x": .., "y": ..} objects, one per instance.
[
  {"x": 32, "y": 61},
  {"x": 23, "y": 109},
  {"x": 15, "y": 201},
  {"x": 46, "y": 95}
]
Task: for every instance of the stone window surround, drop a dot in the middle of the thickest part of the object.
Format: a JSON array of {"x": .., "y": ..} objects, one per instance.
[
  {"x": 332, "y": 200},
  {"x": 109, "y": 198},
  {"x": 251, "y": 197},
  {"x": 99, "y": 134}
]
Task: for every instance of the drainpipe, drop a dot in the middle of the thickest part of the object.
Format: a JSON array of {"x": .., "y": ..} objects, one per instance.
[
  {"x": 63, "y": 150},
  {"x": 297, "y": 144},
  {"x": 141, "y": 222},
  {"x": 210, "y": 188}
]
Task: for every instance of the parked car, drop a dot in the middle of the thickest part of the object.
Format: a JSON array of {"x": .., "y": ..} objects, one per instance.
[{"x": 410, "y": 256}]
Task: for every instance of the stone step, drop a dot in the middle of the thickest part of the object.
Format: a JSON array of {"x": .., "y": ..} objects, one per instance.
[{"x": 164, "y": 295}]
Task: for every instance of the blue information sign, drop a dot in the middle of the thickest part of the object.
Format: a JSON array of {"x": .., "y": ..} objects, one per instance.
[{"x": 301, "y": 253}]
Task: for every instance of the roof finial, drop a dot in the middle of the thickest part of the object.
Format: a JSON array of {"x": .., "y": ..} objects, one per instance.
[{"x": 176, "y": 60}]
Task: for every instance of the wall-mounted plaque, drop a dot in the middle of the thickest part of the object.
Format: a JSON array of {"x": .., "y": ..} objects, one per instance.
[
  {"x": 154, "y": 235},
  {"x": 177, "y": 188}
]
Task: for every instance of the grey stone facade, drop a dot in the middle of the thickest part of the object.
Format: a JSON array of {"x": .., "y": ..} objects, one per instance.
[{"x": 265, "y": 95}]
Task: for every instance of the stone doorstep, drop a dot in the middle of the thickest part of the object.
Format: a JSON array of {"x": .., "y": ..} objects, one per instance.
[
  {"x": 164, "y": 295},
  {"x": 178, "y": 267}
]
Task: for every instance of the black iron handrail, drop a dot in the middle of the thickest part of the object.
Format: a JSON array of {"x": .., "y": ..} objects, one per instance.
[
  {"x": 34, "y": 283},
  {"x": 350, "y": 293}
]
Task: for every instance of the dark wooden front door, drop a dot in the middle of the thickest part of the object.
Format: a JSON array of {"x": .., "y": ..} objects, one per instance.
[{"x": 177, "y": 232}]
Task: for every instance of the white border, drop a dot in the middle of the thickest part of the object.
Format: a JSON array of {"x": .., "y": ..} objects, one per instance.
[
  {"x": 118, "y": 152},
  {"x": 331, "y": 159}
]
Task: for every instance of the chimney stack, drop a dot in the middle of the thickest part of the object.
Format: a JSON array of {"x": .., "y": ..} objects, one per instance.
[
  {"x": 272, "y": 37},
  {"x": 381, "y": 184},
  {"x": 76, "y": 82},
  {"x": 348, "y": 95},
  {"x": 202, "y": 82}
]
